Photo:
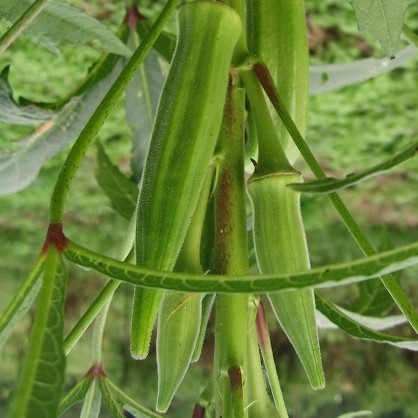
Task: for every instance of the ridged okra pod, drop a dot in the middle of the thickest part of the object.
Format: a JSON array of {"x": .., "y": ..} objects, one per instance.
[
  {"x": 281, "y": 248},
  {"x": 184, "y": 135},
  {"x": 180, "y": 316},
  {"x": 276, "y": 31}
]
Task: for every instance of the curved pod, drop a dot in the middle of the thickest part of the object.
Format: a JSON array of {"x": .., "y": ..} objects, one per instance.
[{"x": 183, "y": 139}]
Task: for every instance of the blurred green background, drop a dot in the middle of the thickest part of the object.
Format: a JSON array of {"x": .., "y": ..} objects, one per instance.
[{"x": 348, "y": 129}]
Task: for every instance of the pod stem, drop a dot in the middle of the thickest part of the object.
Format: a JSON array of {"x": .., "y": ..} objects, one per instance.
[
  {"x": 268, "y": 359},
  {"x": 271, "y": 156}
]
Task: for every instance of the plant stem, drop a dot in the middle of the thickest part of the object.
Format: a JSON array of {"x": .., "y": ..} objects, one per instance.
[
  {"x": 21, "y": 24},
  {"x": 388, "y": 281},
  {"x": 76, "y": 155},
  {"x": 231, "y": 258}
]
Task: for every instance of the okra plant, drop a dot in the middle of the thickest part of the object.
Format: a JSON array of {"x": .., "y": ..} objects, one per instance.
[{"x": 213, "y": 181}]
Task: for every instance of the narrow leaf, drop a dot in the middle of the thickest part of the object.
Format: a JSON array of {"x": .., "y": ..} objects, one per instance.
[
  {"x": 121, "y": 191},
  {"x": 38, "y": 389},
  {"x": 330, "y": 185},
  {"x": 20, "y": 167},
  {"x": 356, "y": 414},
  {"x": 113, "y": 404},
  {"x": 61, "y": 24},
  {"x": 333, "y": 76},
  {"x": 75, "y": 395},
  {"x": 21, "y": 302},
  {"x": 11, "y": 112},
  {"x": 92, "y": 402},
  {"x": 355, "y": 329},
  {"x": 325, "y": 276},
  {"x": 131, "y": 405},
  {"x": 141, "y": 102},
  {"x": 383, "y": 19},
  {"x": 373, "y": 322}
]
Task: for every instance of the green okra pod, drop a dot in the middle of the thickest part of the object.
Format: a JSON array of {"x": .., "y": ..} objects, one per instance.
[
  {"x": 184, "y": 136},
  {"x": 281, "y": 247}
]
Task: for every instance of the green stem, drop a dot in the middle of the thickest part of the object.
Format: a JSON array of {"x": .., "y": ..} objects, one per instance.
[
  {"x": 231, "y": 258},
  {"x": 21, "y": 24},
  {"x": 271, "y": 157},
  {"x": 388, "y": 281},
  {"x": 76, "y": 155}
]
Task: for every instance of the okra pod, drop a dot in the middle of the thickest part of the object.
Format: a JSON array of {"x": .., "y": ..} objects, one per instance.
[
  {"x": 184, "y": 135},
  {"x": 281, "y": 248}
]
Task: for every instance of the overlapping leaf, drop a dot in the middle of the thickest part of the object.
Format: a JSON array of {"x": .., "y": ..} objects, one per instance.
[
  {"x": 383, "y": 19},
  {"x": 20, "y": 167},
  {"x": 21, "y": 302},
  {"x": 11, "y": 112},
  {"x": 41, "y": 379},
  {"x": 61, "y": 24},
  {"x": 121, "y": 191},
  {"x": 333, "y": 76},
  {"x": 141, "y": 102},
  {"x": 349, "y": 325},
  {"x": 330, "y": 185},
  {"x": 77, "y": 394}
]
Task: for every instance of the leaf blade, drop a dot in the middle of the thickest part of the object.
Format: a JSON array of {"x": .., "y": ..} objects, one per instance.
[
  {"x": 383, "y": 19},
  {"x": 355, "y": 329},
  {"x": 60, "y": 24},
  {"x": 40, "y": 383},
  {"x": 330, "y": 185},
  {"x": 325, "y": 276},
  {"x": 121, "y": 191}
]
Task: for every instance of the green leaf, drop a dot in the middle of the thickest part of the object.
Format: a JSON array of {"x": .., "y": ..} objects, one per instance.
[
  {"x": 121, "y": 191},
  {"x": 11, "y": 112},
  {"x": 61, "y": 24},
  {"x": 376, "y": 323},
  {"x": 355, "y": 329},
  {"x": 20, "y": 167},
  {"x": 325, "y": 276},
  {"x": 76, "y": 394},
  {"x": 141, "y": 103},
  {"x": 38, "y": 389},
  {"x": 333, "y": 76},
  {"x": 373, "y": 299},
  {"x": 130, "y": 405},
  {"x": 330, "y": 185},
  {"x": 21, "y": 302},
  {"x": 92, "y": 401},
  {"x": 383, "y": 19},
  {"x": 356, "y": 414},
  {"x": 111, "y": 401}
]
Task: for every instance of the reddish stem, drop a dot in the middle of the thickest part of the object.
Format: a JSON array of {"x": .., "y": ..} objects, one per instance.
[
  {"x": 55, "y": 236},
  {"x": 96, "y": 371},
  {"x": 133, "y": 17}
]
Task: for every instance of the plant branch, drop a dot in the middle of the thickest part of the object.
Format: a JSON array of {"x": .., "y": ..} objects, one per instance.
[{"x": 21, "y": 24}]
